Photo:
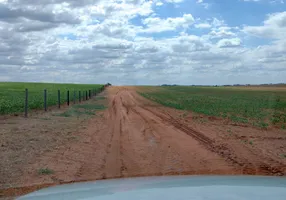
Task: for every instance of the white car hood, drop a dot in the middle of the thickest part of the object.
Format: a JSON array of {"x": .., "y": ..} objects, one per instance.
[{"x": 172, "y": 187}]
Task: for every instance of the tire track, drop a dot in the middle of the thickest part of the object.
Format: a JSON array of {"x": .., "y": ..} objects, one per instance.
[{"x": 224, "y": 151}]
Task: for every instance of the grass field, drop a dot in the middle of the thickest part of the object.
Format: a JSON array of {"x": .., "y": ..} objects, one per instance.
[
  {"x": 12, "y": 95},
  {"x": 259, "y": 107}
]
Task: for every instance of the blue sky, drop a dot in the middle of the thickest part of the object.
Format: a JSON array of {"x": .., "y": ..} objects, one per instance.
[{"x": 143, "y": 41}]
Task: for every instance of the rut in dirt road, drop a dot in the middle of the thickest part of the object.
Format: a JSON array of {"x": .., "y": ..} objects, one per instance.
[{"x": 146, "y": 141}]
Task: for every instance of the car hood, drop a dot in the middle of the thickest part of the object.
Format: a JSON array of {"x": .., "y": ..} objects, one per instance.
[{"x": 173, "y": 187}]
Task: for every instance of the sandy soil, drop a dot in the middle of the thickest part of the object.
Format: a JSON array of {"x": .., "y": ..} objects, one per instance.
[{"x": 137, "y": 137}]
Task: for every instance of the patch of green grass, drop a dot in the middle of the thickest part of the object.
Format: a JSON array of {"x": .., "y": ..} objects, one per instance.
[
  {"x": 82, "y": 109},
  {"x": 89, "y": 106},
  {"x": 13, "y": 95},
  {"x": 100, "y": 98},
  {"x": 45, "y": 171},
  {"x": 238, "y": 119},
  {"x": 75, "y": 113},
  {"x": 257, "y": 107},
  {"x": 70, "y": 113},
  {"x": 283, "y": 155},
  {"x": 261, "y": 124}
]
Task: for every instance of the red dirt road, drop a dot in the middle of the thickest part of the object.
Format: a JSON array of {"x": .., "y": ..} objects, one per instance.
[
  {"x": 137, "y": 137},
  {"x": 145, "y": 142}
]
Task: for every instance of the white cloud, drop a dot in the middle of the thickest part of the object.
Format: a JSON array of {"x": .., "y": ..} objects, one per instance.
[
  {"x": 267, "y": 1},
  {"x": 222, "y": 32},
  {"x": 203, "y": 25},
  {"x": 225, "y": 43},
  {"x": 205, "y": 5},
  {"x": 273, "y": 27},
  {"x": 155, "y": 24},
  {"x": 174, "y": 1},
  {"x": 97, "y": 41}
]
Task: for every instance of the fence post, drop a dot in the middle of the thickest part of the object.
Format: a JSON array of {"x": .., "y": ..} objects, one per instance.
[
  {"x": 86, "y": 98},
  {"x": 74, "y": 97},
  {"x": 59, "y": 98},
  {"x": 26, "y": 102},
  {"x": 68, "y": 97},
  {"x": 83, "y": 95},
  {"x": 45, "y": 99},
  {"x": 79, "y": 96}
]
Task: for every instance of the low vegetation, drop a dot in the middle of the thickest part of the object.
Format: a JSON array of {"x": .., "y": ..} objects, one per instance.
[
  {"x": 258, "y": 107},
  {"x": 45, "y": 171},
  {"x": 83, "y": 109},
  {"x": 13, "y": 94}
]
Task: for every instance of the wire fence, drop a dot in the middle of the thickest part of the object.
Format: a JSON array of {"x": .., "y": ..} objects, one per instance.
[{"x": 58, "y": 98}]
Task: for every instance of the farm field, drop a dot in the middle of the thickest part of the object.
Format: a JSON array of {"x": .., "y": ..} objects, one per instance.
[
  {"x": 258, "y": 106},
  {"x": 120, "y": 133},
  {"x": 12, "y": 95}
]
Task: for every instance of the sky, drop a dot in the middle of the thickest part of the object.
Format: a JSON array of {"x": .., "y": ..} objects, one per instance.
[{"x": 143, "y": 42}]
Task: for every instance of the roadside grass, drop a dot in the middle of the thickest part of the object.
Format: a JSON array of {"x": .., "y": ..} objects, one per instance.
[
  {"x": 13, "y": 95},
  {"x": 260, "y": 108},
  {"x": 101, "y": 98},
  {"x": 89, "y": 108}
]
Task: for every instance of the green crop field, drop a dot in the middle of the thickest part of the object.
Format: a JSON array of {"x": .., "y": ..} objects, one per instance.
[
  {"x": 12, "y": 95},
  {"x": 255, "y": 106}
]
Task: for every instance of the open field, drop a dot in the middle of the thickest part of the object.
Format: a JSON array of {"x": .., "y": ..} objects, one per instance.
[
  {"x": 13, "y": 94},
  {"x": 23, "y": 141},
  {"x": 132, "y": 137},
  {"x": 258, "y": 106}
]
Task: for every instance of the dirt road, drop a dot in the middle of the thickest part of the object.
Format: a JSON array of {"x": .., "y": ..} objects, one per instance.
[
  {"x": 147, "y": 140},
  {"x": 136, "y": 137}
]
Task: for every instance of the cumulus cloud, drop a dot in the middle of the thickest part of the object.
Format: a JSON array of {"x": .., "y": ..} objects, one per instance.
[
  {"x": 13, "y": 14},
  {"x": 128, "y": 42},
  {"x": 203, "y": 25},
  {"x": 225, "y": 43},
  {"x": 273, "y": 27},
  {"x": 155, "y": 24}
]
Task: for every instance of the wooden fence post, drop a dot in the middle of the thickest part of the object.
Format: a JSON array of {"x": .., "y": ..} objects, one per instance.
[
  {"x": 68, "y": 97},
  {"x": 45, "y": 99},
  {"x": 59, "y": 99},
  {"x": 26, "y": 102},
  {"x": 79, "y": 96}
]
